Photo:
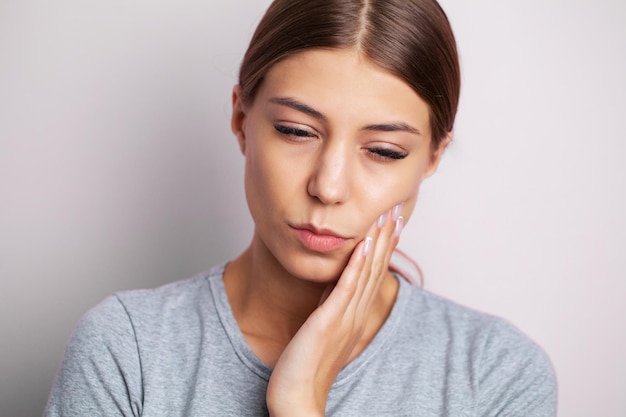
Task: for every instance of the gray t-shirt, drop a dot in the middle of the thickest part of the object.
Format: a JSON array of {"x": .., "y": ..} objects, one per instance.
[{"x": 177, "y": 351}]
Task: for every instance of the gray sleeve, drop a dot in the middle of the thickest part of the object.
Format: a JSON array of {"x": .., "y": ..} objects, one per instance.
[
  {"x": 516, "y": 377},
  {"x": 100, "y": 374}
]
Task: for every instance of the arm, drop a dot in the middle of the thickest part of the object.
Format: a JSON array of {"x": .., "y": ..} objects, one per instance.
[{"x": 100, "y": 374}]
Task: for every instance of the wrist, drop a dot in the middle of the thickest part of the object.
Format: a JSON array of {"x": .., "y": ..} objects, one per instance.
[
  {"x": 296, "y": 409},
  {"x": 297, "y": 413}
]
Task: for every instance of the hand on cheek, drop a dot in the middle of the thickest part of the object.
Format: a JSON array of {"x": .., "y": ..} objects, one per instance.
[
  {"x": 307, "y": 368},
  {"x": 378, "y": 248}
]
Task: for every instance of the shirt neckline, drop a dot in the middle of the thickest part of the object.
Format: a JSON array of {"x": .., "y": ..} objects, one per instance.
[{"x": 249, "y": 358}]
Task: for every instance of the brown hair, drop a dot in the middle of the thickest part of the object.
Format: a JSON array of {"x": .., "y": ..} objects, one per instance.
[{"x": 412, "y": 39}]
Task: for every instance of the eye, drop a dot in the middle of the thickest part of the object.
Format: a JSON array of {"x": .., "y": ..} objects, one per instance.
[
  {"x": 385, "y": 154},
  {"x": 294, "y": 133}
]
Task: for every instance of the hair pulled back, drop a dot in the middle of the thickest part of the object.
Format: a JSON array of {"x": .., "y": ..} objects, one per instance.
[{"x": 411, "y": 39}]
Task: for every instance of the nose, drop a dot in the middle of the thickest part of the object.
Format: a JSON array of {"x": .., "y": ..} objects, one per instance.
[{"x": 330, "y": 178}]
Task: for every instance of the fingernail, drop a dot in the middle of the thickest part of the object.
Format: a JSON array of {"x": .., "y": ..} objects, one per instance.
[
  {"x": 381, "y": 220},
  {"x": 399, "y": 226},
  {"x": 367, "y": 246},
  {"x": 395, "y": 212}
]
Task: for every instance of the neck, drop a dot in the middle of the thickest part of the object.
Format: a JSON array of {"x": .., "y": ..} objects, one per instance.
[{"x": 266, "y": 297}]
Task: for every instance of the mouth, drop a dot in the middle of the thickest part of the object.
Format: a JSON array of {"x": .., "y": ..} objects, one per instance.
[{"x": 319, "y": 240}]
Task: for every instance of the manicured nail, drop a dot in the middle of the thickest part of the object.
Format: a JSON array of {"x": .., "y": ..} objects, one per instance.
[
  {"x": 381, "y": 220},
  {"x": 367, "y": 246},
  {"x": 399, "y": 226},
  {"x": 396, "y": 211}
]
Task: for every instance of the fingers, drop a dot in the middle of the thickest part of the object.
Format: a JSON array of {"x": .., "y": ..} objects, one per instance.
[
  {"x": 389, "y": 227},
  {"x": 342, "y": 293},
  {"x": 387, "y": 241},
  {"x": 373, "y": 245},
  {"x": 368, "y": 264}
]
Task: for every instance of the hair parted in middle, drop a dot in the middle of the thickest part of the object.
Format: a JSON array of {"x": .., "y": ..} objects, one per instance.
[{"x": 411, "y": 39}]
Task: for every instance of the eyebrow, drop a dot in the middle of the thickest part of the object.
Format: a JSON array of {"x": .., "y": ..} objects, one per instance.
[
  {"x": 393, "y": 127},
  {"x": 301, "y": 107},
  {"x": 380, "y": 127}
]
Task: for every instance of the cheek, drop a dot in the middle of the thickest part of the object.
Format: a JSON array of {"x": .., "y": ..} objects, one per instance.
[
  {"x": 413, "y": 187},
  {"x": 392, "y": 187},
  {"x": 271, "y": 179},
  {"x": 401, "y": 186},
  {"x": 258, "y": 180}
]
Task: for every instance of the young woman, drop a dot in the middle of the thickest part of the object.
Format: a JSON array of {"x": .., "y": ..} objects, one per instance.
[{"x": 343, "y": 108}]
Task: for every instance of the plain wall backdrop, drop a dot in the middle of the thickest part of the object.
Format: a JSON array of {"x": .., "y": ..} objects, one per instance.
[{"x": 118, "y": 170}]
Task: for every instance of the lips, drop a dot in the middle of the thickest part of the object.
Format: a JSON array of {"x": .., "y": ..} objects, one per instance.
[{"x": 319, "y": 240}]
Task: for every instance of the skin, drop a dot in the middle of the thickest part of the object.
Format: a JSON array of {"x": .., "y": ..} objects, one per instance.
[{"x": 312, "y": 141}]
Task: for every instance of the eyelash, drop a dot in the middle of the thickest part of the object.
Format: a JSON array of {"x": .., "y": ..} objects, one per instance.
[
  {"x": 293, "y": 132},
  {"x": 297, "y": 134},
  {"x": 386, "y": 154}
]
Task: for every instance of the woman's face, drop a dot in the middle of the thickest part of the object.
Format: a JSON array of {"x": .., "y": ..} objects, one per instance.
[{"x": 331, "y": 142}]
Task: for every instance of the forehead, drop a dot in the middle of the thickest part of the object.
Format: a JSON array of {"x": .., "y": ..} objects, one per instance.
[{"x": 343, "y": 83}]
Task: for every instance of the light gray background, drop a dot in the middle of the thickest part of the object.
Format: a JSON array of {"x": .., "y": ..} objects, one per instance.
[{"x": 118, "y": 170}]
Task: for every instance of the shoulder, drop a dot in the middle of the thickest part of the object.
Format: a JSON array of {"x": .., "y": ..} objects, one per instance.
[
  {"x": 170, "y": 314},
  {"x": 117, "y": 342},
  {"x": 168, "y": 297},
  {"x": 127, "y": 312},
  {"x": 444, "y": 322},
  {"x": 448, "y": 318},
  {"x": 506, "y": 369},
  {"x": 101, "y": 367},
  {"x": 515, "y": 373}
]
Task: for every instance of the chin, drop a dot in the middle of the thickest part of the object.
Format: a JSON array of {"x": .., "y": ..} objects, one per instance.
[{"x": 320, "y": 269}]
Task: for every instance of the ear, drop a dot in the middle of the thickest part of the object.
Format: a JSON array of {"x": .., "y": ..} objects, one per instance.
[
  {"x": 238, "y": 118},
  {"x": 436, "y": 155}
]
